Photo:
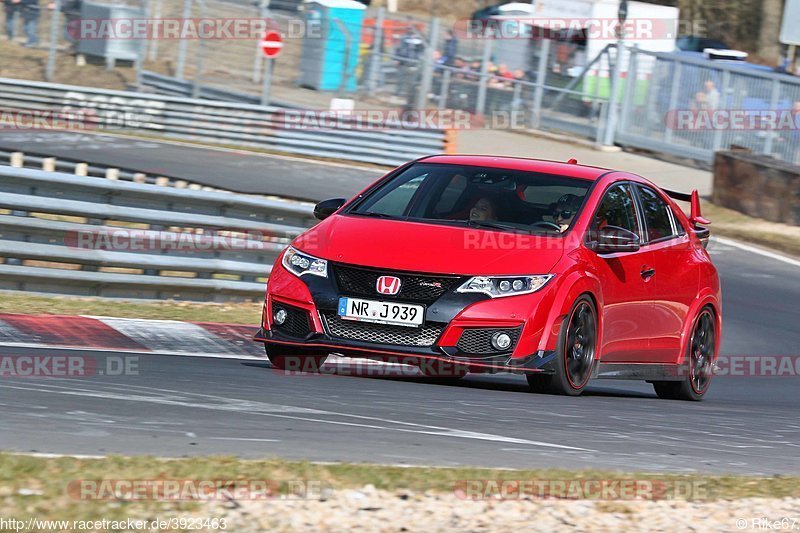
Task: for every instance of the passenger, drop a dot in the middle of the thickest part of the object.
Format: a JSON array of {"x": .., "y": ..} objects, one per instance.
[{"x": 483, "y": 210}]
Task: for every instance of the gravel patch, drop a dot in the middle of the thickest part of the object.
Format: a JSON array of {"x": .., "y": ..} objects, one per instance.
[{"x": 369, "y": 509}]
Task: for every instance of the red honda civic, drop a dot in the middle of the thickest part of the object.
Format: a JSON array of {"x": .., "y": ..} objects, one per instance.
[{"x": 460, "y": 264}]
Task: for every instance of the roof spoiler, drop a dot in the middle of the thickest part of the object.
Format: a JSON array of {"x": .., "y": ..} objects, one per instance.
[{"x": 696, "y": 217}]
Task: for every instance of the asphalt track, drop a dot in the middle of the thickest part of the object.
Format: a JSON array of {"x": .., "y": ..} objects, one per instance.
[
  {"x": 179, "y": 406},
  {"x": 233, "y": 170}
]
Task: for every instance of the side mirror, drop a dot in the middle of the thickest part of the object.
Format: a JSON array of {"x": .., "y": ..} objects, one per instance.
[
  {"x": 613, "y": 239},
  {"x": 326, "y": 208}
]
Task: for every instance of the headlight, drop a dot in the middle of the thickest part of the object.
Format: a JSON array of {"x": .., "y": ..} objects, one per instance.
[
  {"x": 300, "y": 263},
  {"x": 498, "y": 286}
]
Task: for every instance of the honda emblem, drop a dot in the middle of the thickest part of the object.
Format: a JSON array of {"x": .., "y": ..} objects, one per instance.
[{"x": 388, "y": 285}]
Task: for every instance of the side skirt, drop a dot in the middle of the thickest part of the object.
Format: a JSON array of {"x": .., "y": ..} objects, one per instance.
[{"x": 640, "y": 371}]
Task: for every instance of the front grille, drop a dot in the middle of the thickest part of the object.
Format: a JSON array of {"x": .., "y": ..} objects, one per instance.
[
  {"x": 337, "y": 327},
  {"x": 479, "y": 341},
  {"x": 413, "y": 287},
  {"x": 297, "y": 324}
]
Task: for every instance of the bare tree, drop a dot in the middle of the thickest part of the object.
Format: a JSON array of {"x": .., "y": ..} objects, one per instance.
[{"x": 768, "y": 46}]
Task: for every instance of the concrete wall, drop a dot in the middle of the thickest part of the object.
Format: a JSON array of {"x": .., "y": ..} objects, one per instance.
[{"x": 758, "y": 186}]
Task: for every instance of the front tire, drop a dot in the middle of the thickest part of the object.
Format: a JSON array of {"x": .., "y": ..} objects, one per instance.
[
  {"x": 699, "y": 356},
  {"x": 292, "y": 360},
  {"x": 577, "y": 346}
]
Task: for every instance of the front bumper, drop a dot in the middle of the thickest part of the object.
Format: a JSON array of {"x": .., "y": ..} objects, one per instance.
[
  {"x": 320, "y": 344},
  {"x": 450, "y": 317}
]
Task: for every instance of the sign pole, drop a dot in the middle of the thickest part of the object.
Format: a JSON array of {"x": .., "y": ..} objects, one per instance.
[{"x": 267, "y": 86}]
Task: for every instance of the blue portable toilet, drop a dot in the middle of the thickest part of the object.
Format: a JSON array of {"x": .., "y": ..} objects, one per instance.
[{"x": 325, "y": 47}]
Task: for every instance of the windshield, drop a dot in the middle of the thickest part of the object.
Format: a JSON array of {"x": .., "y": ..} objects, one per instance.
[{"x": 490, "y": 198}]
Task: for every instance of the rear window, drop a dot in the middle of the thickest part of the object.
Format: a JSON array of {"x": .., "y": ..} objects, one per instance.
[{"x": 657, "y": 219}]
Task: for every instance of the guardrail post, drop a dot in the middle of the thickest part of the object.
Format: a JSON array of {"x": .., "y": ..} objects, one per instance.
[
  {"x": 49, "y": 164},
  {"x": 50, "y": 70},
  {"x": 153, "y": 52},
  {"x": 112, "y": 174},
  {"x": 726, "y": 86},
  {"x": 613, "y": 98},
  {"x": 541, "y": 81},
  {"x": 480, "y": 103},
  {"x": 377, "y": 49},
  {"x": 81, "y": 169},
  {"x": 773, "y": 105},
  {"x": 630, "y": 88},
  {"x": 673, "y": 95},
  {"x": 444, "y": 90},
  {"x": 17, "y": 159},
  {"x": 197, "y": 84},
  {"x": 428, "y": 65},
  {"x": 180, "y": 65}
]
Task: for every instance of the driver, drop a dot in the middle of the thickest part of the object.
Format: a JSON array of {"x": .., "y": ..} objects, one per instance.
[
  {"x": 483, "y": 210},
  {"x": 565, "y": 210}
]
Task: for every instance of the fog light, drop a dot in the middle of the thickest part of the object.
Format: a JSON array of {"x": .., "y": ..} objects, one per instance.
[
  {"x": 501, "y": 341},
  {"x": 280, "y": 316}
]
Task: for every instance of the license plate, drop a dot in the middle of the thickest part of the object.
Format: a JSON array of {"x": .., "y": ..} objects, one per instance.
[{"x": 393, "y": 313}]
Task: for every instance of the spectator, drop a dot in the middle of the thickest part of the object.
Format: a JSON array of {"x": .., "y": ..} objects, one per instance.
[
  {"x": 483, "y": 211},
  {"x": 450, "y": 49},
  {"x": 699, "y": 102},
  {"x": 12, "y": 9},
  {"x": 712, "y": 96},
  {"x": 31, "y": 12},
  {"x": 410, "y": 46}
]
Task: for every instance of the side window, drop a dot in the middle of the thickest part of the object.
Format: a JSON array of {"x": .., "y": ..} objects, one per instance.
[
  {"x": 455, "y": 188},
  {"x": 656, "y": 215},
  {"x": 617, "y": 209}
]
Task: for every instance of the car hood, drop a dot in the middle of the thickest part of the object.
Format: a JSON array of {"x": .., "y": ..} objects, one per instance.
[{"x": 431, "y": 248}]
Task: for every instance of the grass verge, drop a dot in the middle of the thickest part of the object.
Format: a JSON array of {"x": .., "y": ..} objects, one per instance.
[
  {"x": 729, "y": 223},
  {"x": 227, "y": 313},
  {"x": 37, "y": 486}
]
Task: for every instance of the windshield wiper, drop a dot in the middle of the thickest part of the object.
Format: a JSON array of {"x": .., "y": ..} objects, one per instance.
[{"x": 487, "y": 224}]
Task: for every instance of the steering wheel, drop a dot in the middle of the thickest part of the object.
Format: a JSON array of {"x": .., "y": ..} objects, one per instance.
[{"x": 548, "y": 224}]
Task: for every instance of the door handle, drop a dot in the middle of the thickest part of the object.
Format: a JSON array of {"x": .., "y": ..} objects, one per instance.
[{"x": 648, "y": 273}]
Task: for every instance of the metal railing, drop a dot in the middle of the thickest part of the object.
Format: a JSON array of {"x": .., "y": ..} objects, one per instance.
[
  {"x": 225, "y": 123},
  {"x": 689, "y": 107},
  {"x": 70, "y": 234}
]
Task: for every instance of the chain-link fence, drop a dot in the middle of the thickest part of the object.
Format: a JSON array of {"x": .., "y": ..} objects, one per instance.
[
  {"x": 665, "y": 102},
  {"x": 692, "y": 107}
]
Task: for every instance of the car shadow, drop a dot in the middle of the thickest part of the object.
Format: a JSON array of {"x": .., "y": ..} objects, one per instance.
[{"x": 505, "y": 382}]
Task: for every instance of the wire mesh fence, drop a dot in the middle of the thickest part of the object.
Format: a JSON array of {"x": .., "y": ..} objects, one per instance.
[{"x": 659, "y": 101}]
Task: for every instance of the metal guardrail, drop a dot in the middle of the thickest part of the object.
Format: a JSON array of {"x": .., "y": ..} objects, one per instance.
[
  {"x": 223, "y": 123},
  {"x": 171, "y": 86},
  {"x": 81, "y": 235}
]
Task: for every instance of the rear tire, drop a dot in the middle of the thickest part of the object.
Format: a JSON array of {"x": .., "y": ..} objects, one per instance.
[
  {"x": 577, "y": 346},
  {"x": 699, "y": 357},
  {"x": 291, "y": 360}
]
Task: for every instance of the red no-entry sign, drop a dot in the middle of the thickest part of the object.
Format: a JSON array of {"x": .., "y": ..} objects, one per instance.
[{"x": 271, "y": 43}]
